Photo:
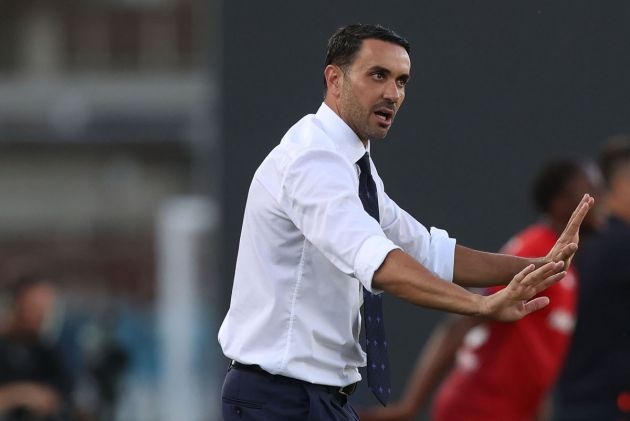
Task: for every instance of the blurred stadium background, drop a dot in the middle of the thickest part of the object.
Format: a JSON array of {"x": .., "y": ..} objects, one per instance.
[{"x": 130, "y": 129}]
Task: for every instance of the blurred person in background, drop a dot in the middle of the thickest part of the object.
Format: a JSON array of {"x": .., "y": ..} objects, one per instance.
[
  {"x": 595, "y": 381},
  {"x": 503, "y": 371},
  {"x": 34, "y": 381}
]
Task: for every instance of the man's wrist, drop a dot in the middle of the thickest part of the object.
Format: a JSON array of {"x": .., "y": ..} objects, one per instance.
[
  {"x": 482, "y": 307},
  {"x": 538, "y": 261}
]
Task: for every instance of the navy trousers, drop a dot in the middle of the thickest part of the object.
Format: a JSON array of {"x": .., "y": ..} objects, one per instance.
[{"x": 255, "y": 396}]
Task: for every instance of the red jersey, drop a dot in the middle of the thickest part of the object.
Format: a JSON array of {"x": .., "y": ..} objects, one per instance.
[{"x": 504, "y": 370}]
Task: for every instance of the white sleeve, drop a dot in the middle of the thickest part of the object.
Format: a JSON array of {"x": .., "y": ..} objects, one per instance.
[
  {"x": 319, "y": 192},
  {"x": 433, "y": 249}
]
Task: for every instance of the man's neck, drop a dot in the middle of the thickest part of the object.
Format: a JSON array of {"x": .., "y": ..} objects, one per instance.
[{"x": 332, "y": 104}]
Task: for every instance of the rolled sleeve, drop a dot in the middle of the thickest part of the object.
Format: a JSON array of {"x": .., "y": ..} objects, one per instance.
[
  {"x": 369, "y": 258},
  {"x": 433, "y": 248},
  {"x": 320, "y": 193},
  {"x": 442, "y": 252}
]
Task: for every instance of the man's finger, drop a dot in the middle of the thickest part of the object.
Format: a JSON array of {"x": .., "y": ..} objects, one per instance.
[
  {"x": 536, "y": 304},
  {"x": 518, "y": 278},
  {"x": 579, "y": 208},
  {"x": 549, "y": 281},
  {"x": 578, "y": 215},
  {"x": 568, "y": 251},
  {"x": 542, "y": 273}
]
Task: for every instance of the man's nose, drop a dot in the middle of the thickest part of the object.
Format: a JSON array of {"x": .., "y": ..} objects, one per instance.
[{"x": 392, "y": 92}]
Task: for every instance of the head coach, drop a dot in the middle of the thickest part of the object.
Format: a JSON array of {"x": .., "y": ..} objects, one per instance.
[{"x": 321, "y": 239}]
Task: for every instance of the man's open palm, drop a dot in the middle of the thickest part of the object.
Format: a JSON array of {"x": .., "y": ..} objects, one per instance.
[
  {"x": 516, "y": 300},
  {"x": 567, "y": 244}
]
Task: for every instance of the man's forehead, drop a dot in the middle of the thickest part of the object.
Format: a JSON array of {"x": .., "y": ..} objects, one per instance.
[{"x": 375, "y": 52}]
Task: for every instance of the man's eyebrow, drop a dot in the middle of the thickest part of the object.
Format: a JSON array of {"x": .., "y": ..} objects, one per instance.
[
  {"x": 388, "y": 72},
  {"x": 380, "y": 69}
]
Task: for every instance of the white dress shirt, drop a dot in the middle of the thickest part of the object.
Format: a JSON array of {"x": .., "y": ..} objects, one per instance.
[{"x": 307, "y": 247}]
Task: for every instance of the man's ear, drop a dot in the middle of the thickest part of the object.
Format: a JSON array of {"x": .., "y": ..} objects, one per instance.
[{"x": 334, "y": 80}]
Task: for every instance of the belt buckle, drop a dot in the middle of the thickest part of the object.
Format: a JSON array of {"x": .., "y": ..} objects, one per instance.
[{"x": 348, "y": 390}]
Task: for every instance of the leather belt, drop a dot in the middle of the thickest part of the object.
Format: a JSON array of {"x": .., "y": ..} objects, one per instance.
[{"x": 344, "y": 391}]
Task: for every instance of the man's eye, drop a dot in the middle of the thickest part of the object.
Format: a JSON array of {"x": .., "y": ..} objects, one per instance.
[
  {"x": 402, "y": 83},
  {"x": 379, "y": 76}
]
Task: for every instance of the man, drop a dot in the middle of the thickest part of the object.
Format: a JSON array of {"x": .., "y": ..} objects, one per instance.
[
  {"x": 595, "y": 381},
  {"x": 320, "y": 238},
  {"x": 489, "y": 356},
  {"x": 34, "y": 381}
]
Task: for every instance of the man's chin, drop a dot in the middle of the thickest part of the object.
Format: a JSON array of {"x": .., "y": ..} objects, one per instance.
[{"x": 379, "y": 134}]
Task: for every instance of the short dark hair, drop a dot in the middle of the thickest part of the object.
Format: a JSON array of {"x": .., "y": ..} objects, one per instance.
[
  {"x": 552, "y": 180},
  {"x": 344, "y": 44},
  {"x": 615, "y": 154}
]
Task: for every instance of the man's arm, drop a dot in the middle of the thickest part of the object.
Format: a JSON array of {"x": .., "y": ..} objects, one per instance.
[
  {"x": 432, "y": 364},
  {"x": 474, "y": 268},
  {"x": 479, "y": 269},
  {"x": 402, "y": 276}
]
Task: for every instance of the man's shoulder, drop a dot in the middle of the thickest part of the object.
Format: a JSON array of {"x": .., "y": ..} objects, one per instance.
[
  {"x": 303, "y": 142},
  {"x": 305, "y": 135}
]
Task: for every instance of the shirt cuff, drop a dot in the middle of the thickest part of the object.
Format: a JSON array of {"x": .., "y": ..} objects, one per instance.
[
  {"x": 369, "y": 258},
  {"x": 442, "y": 252}
]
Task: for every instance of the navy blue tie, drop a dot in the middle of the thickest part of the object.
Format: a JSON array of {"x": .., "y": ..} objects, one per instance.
[{"x": 375, "y": 341}]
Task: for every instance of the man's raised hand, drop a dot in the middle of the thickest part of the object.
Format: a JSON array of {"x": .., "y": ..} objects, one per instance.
[
  {"x": 516, "y": 300},
  {"x": 567, "y": 244}
]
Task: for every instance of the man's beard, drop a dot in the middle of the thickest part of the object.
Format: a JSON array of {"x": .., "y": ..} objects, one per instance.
[{"x": 358, "y": 118}]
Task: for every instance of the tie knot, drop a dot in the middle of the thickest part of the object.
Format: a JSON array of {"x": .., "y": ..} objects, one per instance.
[{"x": 364, "y": 163}]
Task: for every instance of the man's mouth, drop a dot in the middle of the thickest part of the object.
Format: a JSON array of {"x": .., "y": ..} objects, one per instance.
[{"x": 384, "y": 116}]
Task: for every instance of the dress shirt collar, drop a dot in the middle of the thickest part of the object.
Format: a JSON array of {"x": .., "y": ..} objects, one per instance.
[{"x": 347, "y": 140}]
